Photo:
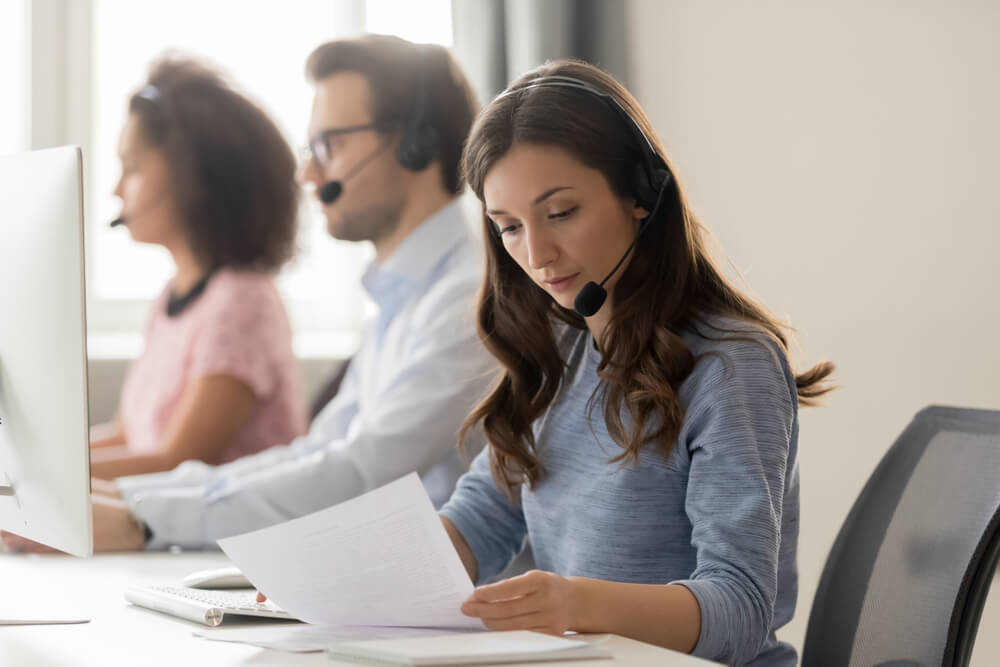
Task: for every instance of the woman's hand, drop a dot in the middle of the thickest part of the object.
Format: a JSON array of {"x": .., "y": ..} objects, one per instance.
[{"x": 536, "y": 600}]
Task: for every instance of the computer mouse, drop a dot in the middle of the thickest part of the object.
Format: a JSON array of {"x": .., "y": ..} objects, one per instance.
[{"x": 223, "y": 577}]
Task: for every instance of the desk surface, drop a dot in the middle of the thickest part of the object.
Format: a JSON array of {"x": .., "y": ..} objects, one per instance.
[{"x": 121, "y": 634}]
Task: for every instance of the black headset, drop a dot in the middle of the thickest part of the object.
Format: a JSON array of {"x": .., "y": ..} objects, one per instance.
[
  {"x": 649, "y": 179},
  {"x": 419, "y": 141}
]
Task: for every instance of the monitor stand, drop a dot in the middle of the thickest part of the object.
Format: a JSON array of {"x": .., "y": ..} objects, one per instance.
[
  {"x": 7, "y": 489},
  {"x": 49, "y": 621}
]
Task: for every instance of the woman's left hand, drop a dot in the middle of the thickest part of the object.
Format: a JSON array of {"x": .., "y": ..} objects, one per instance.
[{"x": 536, "y": 600}]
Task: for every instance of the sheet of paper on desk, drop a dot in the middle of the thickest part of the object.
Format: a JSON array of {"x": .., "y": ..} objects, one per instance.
[
  {"x": 308, "y": 638},
  {"x": 381, "y": 559}
]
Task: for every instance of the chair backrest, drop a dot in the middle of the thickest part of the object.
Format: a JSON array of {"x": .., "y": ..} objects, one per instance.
[
  {"x": 907, "y": 577},
  {"x": 329, "y": 388}
]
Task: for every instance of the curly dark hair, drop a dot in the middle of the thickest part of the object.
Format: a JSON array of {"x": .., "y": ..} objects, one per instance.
[{"x": 231, "y": 171}]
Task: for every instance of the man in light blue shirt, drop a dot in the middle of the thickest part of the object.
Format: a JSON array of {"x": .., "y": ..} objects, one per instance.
[{"x": 388, "y": 123}]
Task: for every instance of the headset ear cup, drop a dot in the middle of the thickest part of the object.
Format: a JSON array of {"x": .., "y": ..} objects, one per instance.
[
  {"x": 417, "y": 147},
  {"x": 661, "y": 179},
  {"x": 642, "y": 187},
  {"x": 647, "y": 185}
]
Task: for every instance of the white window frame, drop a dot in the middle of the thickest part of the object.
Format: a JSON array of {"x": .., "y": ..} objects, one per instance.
[{"x": 60, "y": 65}]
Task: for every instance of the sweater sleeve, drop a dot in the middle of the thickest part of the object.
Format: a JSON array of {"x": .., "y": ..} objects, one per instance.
[
  {"x": 492, "y": 525},
  {"x": 738, "y": 432}
]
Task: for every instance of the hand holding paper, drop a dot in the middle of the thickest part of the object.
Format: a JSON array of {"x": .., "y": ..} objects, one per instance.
[
  {"x": 535, "y": 600},
  {"x": 381, "y": 559}
]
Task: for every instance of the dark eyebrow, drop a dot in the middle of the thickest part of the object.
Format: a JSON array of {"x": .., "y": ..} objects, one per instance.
[{"x": 538, "y": 200}]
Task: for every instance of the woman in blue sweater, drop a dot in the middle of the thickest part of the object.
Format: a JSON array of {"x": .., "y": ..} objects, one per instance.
[{"x": 643, "y": 435}]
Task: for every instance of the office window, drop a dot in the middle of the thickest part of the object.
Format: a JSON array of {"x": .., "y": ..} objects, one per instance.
[
  {"x": 264, "y": 53},
  {"x": 423, "y": 22},
  {"x": 14, "y": 127}
]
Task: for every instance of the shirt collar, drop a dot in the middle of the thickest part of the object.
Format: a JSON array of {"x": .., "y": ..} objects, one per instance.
[{"x": 408, "y": 267}]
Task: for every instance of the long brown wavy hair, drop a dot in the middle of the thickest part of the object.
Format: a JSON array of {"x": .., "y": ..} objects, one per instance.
[{"x": 670, "y": 284}]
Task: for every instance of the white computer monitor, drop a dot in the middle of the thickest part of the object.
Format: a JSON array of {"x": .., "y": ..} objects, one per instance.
[{"x": 44, "y": 442}]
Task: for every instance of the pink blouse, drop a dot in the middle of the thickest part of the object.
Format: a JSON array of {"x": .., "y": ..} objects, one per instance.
[{"x": 238, "y": 328}]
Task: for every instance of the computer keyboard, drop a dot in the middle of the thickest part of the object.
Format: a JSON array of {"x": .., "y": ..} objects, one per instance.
[{"x": 203, "y": 606}]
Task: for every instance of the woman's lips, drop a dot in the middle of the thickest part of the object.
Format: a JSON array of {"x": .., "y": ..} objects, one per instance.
[{"x": 560, "y": 284}]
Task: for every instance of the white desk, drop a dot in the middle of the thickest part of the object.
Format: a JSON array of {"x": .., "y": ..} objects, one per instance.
[{"x": 120, "y": 634}]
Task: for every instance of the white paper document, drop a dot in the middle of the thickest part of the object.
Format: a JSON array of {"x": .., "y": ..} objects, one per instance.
[
  {"x": 306, "y": 638},
  {"x": 381, "y": 559}
]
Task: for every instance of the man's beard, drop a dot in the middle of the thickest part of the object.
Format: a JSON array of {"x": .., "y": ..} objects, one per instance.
[{"x": 371, "y": 224}]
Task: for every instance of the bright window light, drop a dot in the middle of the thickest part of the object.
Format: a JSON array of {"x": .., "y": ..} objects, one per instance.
[
  {"x": 14, "y": 128},
  {"x": 264, "y": 54},
  {"x": 425, "y": 22}
]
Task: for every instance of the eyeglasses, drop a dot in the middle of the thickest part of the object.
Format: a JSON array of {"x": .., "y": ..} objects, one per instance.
[{"x": 319, "y": 150}]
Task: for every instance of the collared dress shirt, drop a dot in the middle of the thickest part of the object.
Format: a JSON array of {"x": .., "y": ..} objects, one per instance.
[{"x": 418, "y": 373}]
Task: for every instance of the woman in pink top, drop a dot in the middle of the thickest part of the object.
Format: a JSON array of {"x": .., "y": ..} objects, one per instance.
[{"x": 207, "y": 175}]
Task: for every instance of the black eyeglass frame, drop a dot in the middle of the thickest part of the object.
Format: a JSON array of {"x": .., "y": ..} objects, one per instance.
[{"x": 319, "y": 143}]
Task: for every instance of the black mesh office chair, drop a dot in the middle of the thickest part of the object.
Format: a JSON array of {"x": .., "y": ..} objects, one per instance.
[{"x": 907, "y": 578}]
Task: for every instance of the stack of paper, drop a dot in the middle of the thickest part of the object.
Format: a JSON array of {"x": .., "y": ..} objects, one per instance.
[{"x": 489, "y": 648}]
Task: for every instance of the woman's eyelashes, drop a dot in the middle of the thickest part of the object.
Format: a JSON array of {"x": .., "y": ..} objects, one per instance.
[
  {"x": 562, "y": 215},
  {"x": 503, "y": 228}
]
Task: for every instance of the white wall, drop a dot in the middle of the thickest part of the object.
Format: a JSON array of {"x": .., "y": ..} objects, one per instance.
[
  {"x": 847, "y": 154},
  {"x": 106, "y": 375}
]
